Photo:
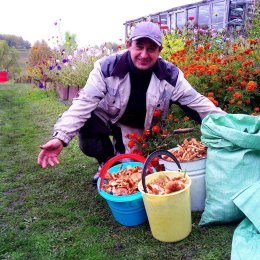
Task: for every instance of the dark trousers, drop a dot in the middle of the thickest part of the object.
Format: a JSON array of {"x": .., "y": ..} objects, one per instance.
[{"x": 94, "y": 139}]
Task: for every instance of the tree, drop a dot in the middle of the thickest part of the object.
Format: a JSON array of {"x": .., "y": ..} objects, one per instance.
[
  {"x": 39, "y": 61},
  {"x": 4, "y": 54},
  {"x": 15, "y": 41},
  {"x": 12, "y": 65},
  {"x": 39, "y": 53},
  {"x": 70, "y": 40},
  {"x": 9, "y": 57}
]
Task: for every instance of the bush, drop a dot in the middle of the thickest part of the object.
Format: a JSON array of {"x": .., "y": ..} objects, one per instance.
[
  {"x": 223, "y": 70},
  {"x": 71, "y": 67}
]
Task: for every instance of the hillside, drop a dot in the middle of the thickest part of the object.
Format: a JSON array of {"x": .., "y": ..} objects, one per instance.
[{"x": 23, "y": 57}]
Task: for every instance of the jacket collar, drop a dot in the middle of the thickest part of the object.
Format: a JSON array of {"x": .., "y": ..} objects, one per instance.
[{"x": 123, "y": 67}]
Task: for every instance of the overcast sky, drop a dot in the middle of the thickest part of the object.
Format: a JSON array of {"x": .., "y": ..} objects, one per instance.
[{"x": 93, "y": 21}]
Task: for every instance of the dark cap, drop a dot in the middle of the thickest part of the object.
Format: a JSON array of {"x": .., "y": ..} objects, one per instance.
[{"x": 147, "y": 30}]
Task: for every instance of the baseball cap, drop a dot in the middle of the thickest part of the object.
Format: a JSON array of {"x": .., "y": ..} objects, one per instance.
[{"x": 147, "y": 30}]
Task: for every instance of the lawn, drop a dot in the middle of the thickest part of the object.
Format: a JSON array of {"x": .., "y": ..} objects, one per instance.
[{"x": 57, "y": 213}]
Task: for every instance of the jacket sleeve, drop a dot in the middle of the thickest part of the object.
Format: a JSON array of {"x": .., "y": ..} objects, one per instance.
[
  {"x": 68, "y": 125},
  {"x": 190, "y": 100}
]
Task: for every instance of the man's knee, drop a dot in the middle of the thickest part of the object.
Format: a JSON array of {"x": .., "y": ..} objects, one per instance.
[
  {"x": 99, "y": 147},
  {"x": 94, "y": 139}
]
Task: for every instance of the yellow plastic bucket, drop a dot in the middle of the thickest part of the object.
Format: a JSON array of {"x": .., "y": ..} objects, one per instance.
[{"x": 169, "y": 215}]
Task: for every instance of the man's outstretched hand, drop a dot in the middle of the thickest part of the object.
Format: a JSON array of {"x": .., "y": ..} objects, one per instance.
[{"x": 49, "y": 153}]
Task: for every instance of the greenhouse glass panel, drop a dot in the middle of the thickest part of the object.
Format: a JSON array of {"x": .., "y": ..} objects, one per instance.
[
  {"x": 218, "y": 12},
  {"x": 163, "y": 19},
  {"x": 155, "y": 19},
  {"x": 180, "y": 20},
  {"x": 203, "y": 19}
]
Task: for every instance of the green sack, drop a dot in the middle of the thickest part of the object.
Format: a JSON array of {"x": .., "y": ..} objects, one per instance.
[
  {"x": 248, "y": 201},
  {"x": 233, "y": 163},
  {"x": 246, "y": 242},
  {"x": 246, "y": 238}
]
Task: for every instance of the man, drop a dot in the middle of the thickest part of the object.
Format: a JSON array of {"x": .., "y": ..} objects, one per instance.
[{"x": 120, "y": 96}]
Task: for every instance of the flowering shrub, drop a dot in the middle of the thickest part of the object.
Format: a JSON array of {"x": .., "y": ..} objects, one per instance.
[
  {"x": 71, "y": 69},
  {"x": 64, "y": 64},
  {"x": 161, "y": 135},
  {"x": 228, "y": 76},
  {"x": 69, "y": 65},
  {"x": 38, "y": 63},
  {"x": 224, "y": 69}
]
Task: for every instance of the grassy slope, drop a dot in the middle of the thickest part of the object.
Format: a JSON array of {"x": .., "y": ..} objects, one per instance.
[
  {"x": 56, "y": 213},
  {"x": 23, "y": 59}
]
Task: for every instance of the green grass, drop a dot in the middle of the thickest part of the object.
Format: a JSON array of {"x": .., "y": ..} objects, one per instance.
[{"x": 56, "y": 213}]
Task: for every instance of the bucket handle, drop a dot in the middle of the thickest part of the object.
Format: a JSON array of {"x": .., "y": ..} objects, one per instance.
[
  {"x": 151, "y": 157},
  {"x": 110, "y": 162}
]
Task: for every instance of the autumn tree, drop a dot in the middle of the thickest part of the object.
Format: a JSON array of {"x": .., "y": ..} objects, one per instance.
[{"x": 38, "y": 61}]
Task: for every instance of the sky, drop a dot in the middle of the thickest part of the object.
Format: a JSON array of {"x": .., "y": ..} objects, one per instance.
[{"x": 94, "y": 22}]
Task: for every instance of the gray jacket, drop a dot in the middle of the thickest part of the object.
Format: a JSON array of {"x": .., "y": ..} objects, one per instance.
[{"x": 108, "y": 88}]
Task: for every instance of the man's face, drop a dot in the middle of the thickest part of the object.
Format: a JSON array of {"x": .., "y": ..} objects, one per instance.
[{"x": 144, "y": 53}]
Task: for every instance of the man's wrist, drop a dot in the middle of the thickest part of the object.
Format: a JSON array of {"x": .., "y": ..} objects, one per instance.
[
  {"x": 61, "y": 137},
  {"x": 60, "y": 141}
]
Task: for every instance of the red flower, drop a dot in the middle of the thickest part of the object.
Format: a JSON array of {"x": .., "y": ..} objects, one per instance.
[
  {"x": 157, "y": 113},
  {"x": 247, "y": 63},
  {"x": 137, "y": 151},
  {"x": 131, "y": 144},
  {"x": 188, "y": 42},
  {"x": 156, "y": 129},
  {"x": 251, "y": 86},
  {"x": 226, "y": 77},
  {"x": 170, "y": 117},
  {"x": 248, "y": 51},
  {"x": 140, "y": 138},
  {"x": 211, "y": 98},
  {"x": 237, "y": 95},
  {"x": 215, "y": 102},
  {"x": 133, "y": 135},
  {"x": 146, "y": 132},
  {"x": 243, "y": 84},
  {"x": 230, "y": 89},
  {"x": 145, "y": 145},
  {"x": 191, "y": 18},
  {"x": 162, "y": 27},
  {"x": 253, "y": 41}
]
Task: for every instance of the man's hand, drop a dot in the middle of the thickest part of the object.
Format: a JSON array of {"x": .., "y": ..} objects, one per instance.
[{"x": 49, "y": 153}]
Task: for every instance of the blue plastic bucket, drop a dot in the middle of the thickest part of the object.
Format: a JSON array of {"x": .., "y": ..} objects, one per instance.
[{"x": 127, "y": 210}]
